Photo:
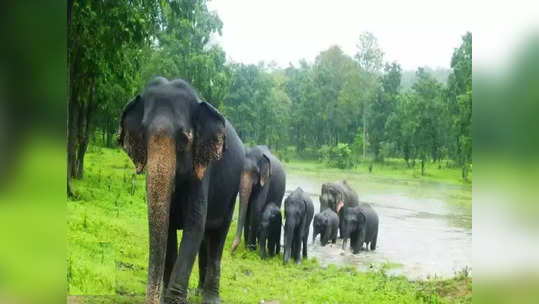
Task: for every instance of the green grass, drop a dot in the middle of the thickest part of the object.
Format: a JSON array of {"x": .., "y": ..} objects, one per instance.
[
  {"x": 107, "y": 240},
  {"x": 390, "y": 168}
]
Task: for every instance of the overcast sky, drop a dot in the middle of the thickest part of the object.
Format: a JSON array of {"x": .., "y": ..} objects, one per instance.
[{"x": 413, "y": 33}]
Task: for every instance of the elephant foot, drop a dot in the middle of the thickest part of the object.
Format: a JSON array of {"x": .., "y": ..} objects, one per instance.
[
  {"x": 168, "y": 300},
  {"x": 210, "y": 299},
  {"x": 176, "y": 297}
]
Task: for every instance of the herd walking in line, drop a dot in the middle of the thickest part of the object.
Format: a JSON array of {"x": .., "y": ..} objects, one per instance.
[{"x": 196, "y": 164}]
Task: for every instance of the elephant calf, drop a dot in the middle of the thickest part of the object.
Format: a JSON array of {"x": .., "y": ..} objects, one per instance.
[
  {"x": 326, "y": 223},
  {"x": 360, "y": 225},
  {"x": 270, "y": 230},
  {"x": 298, "y": 212}
]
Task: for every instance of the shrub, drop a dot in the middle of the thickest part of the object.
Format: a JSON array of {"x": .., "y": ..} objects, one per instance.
[{"x": 339, "y": 156}]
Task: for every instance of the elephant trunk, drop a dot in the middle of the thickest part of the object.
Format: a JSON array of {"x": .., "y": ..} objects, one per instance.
[
  {"x": 346, "y": 236},
  {"x": 246, "y": 187},
  {"x": 288, "y": 237},
  {"x": 161, "y": 168},
  {"x": 324, "y": 237}
]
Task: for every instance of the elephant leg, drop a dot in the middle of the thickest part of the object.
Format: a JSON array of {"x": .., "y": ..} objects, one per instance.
[
  {"x": 373, "y": 241},
  {"x": 263, "y": 241},
  {"x": 215, "y": 251},
  {"x": 297, "y": 248},
  {"x": 271, "y": 247},
  {"x": 252, "y": 230},
  {"x": 246, "y": 232},
  {"x": 277, "y": 244},
  {"x": 194, "y": 220},
  {"x": 305, "y": 238},
  {"x": 202, "y": 266},
  {"x": 246, "y": 227},
  {"x": 171, "y": 255}
]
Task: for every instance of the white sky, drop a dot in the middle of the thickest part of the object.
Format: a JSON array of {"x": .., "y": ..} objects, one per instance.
[{"x": 413, "y": 33}]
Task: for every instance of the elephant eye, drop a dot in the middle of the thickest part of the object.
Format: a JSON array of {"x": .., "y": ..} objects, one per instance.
[{"x": 184, "y": 138}]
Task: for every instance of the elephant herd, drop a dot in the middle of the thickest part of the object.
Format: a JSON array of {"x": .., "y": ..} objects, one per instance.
[{"x": 196, "y": 165}]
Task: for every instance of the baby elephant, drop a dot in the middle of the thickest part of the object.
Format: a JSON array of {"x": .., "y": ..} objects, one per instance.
[
  {"x": 270, "y": 230},
  {"x": 360, "y": 225},
  {"x": 326, "y": 223},
  {"x": 298, "y": 212}
]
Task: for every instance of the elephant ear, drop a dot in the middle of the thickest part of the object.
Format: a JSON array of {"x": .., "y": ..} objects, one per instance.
[
  {"x": 130, "y": 136},
  {"x": 265, "y": 169},
  {"x": 209, "y": 142}
]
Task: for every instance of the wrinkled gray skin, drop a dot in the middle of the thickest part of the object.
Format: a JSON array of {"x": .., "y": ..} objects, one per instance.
[
  {"x": 298, "y": 211},
  {"x": 193, "y": 160},
  {"x": 360, "y": 226},
  {"x": 270, "y": 230},
  {"x": 336, "y": 196},
  {"x": 326, "y": 223},
  {"x": 263, "y": 181}
]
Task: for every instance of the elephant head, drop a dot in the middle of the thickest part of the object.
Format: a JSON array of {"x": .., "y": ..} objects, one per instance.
[
  {"x": 354, "y": 227},
  {"x": 332, "y": 197},
  {"x": 171, "y": 134},
  {"x": 320, "y": 226},
  {"x": 255, "y": 177}
]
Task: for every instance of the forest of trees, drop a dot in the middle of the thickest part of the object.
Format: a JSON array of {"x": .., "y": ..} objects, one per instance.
[{"x": 340, "y": 108}]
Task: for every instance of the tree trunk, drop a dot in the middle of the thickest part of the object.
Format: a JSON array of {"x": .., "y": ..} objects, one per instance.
[
  {"x": 85, "y": 117},
  {"x": 69, "y": 6},
  {"x": 465, "y": 172},
  {"x": 79, "y": 118},
  {"x": 422, "y": 167},
  {"x": 364, "y": 134}
]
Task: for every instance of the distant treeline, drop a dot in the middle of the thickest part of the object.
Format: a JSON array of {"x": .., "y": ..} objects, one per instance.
[
  {"x": 354, "y": 108},
  {"x": 339, "y": 108}
]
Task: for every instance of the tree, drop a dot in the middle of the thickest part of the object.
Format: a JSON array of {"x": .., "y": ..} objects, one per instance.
[
  {"x": 183, "y": 49},
  {"x": 370, "y": 58},
  {"x": 460, "y": 102},
  {"x": 329, "y": 71},
  {"x": 427, "y": 109},
  {"x": 98, "y": 32},
  {"x": 300, "y": 88},
  {"x": 382, "y": 106}
]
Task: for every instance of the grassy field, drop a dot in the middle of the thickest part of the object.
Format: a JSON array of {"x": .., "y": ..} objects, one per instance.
[
  {"x": 107, "y": 242},
  {"x": 390, "y": 168}
]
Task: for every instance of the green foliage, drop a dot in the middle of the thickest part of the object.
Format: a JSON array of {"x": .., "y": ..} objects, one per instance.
[
  {"x": 339, "y": 156},
  {"x": 106, "y": 211},
  {"x": 459, "y": 96},
  {"x": 182, "y": 49}
]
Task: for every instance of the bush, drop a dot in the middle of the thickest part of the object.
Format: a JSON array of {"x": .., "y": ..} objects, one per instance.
[
  {"x": 339, "y": 156},
  {"x": 324, "y": 153}
]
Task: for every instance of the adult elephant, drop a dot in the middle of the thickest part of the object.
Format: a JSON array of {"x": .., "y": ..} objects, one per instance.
[
  {"x": 193, "y": 160},
  {"x": 338, "y": 195},
  {"x": 263, "y": 181}
]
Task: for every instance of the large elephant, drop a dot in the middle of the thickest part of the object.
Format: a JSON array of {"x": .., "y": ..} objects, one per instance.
[
  {"x": 337, "y": 195},
  {"x": 360, "y": 226},
  {"x": 298, "y": 213},
  {"x": 193, "y": 160},
  {"x": 263, "y": 181},
  {"x": 326, "y": 223}
]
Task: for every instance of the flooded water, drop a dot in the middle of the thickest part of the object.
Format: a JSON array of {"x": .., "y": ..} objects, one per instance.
[{"x": 425, "y": 227}]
